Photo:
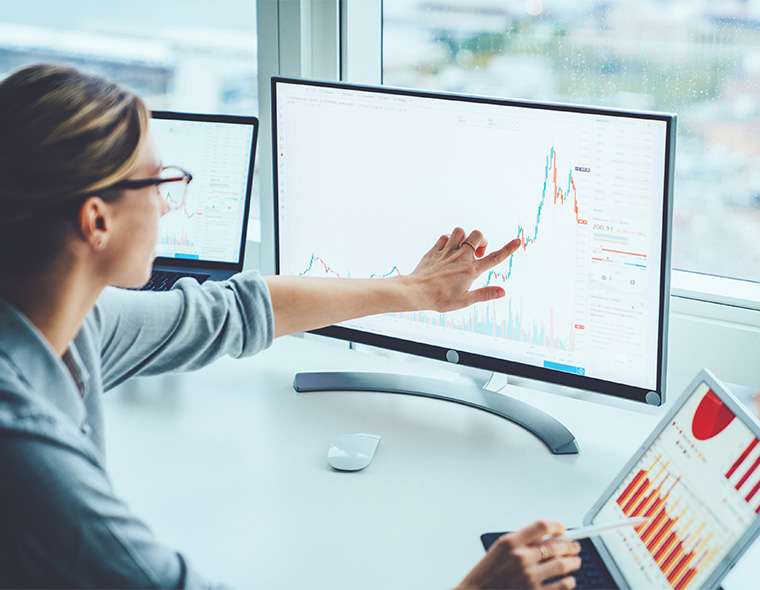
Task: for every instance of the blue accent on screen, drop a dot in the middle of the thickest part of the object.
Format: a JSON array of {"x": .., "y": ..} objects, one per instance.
[
  {"x": 565, "y": 368},
  {"x": 186, "y": 256}
]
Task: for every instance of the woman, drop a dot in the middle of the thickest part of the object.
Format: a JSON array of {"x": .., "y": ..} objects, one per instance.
[{"x": 80, "y": 203}]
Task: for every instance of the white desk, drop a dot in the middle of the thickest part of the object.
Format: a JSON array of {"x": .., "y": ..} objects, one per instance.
[{"x": 228, "y": 465}]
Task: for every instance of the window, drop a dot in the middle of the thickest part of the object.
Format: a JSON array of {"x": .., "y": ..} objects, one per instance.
[
  {"x": 188, "y": 55},
  {"x": 698, "y": 59}
]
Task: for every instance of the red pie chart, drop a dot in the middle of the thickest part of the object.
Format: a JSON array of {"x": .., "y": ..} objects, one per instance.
[{"x": 711, "y": 418}]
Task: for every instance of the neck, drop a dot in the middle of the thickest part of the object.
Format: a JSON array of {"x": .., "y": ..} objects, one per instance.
[{"x": 56, "y": 302}]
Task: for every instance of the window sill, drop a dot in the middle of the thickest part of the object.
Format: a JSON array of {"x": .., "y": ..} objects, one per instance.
[{"x": 713, "y": 289}]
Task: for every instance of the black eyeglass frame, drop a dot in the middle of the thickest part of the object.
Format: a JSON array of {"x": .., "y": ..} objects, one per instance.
[
  {"x": 137, "y": 183},
  {"x": 108, "y": 193}
]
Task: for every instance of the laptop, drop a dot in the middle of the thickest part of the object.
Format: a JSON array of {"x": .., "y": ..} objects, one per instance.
[
  {"x": 697, "y": 477},
  {"x": 203, "y": 234}
]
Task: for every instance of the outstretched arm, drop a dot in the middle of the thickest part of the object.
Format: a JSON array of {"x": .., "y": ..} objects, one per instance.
[
  {"x": 186, "y": 328},
  {"x": 146, "y": 333},
  {"x": 441, "y": 282}
]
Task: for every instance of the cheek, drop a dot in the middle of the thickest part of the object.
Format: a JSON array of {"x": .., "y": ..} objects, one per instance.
[
  {"x": 143, "y": 229},
  {"x": 153, "y": 218}
]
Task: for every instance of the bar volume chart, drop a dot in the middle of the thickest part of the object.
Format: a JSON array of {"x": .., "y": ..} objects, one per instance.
[{"x": 677, "y": 540}]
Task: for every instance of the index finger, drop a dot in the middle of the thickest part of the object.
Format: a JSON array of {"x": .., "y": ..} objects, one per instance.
[
  {"x": 538, "y": 530},
  {"x": 498, "y": 256}
]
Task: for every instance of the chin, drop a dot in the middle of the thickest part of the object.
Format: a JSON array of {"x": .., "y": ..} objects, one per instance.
[
  {"x": 136, "y": 282},
  {"x": 145, "y": 277}
]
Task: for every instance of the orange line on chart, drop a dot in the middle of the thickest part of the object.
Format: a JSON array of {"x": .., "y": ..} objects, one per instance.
[{"x": 624, "y": 252}]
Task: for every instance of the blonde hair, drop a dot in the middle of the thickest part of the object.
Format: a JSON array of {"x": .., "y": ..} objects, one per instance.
[{"x": 63, "y": 134}]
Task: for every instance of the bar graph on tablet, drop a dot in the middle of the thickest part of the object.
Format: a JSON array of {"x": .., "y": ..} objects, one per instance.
[{"x": 698, "y": 485}]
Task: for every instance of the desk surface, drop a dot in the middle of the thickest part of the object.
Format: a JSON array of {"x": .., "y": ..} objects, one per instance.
[{"x": 228, "y": 465}]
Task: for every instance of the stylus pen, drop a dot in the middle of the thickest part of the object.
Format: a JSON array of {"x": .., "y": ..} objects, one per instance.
[{"x": 597, "y": 529}]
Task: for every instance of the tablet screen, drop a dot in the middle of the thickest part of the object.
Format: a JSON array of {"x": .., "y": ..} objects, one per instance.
[{"x": 699, "y": 483}]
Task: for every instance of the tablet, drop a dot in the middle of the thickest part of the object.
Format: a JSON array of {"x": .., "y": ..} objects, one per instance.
[{"x": 697, "y": 477}]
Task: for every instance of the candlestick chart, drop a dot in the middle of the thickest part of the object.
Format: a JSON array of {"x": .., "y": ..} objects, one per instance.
[{"x": 553, "y": 326}]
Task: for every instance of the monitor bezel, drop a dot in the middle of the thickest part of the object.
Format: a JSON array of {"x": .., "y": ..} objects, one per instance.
[
  {"x": 215, "y": 118},
  {"x": 753, "y": 425},
  {"x": 591, "y": 384}
]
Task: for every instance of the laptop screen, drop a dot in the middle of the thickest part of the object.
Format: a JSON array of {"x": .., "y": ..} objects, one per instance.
[
  {"x": 699, "y": 482},
  {"x": 207, "y": 225}
]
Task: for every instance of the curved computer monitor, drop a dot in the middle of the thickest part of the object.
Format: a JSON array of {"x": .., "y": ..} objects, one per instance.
[{"x": 367, "y": 178}]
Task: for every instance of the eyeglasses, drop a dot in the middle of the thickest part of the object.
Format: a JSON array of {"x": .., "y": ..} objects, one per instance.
[{"x": 172, "y": 184}]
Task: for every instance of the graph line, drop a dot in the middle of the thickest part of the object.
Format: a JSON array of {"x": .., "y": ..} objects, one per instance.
[
  {"x": 559, "y": 196},
  {"x": 329, "y": 270},
  {"x": 180, "y": 205}
]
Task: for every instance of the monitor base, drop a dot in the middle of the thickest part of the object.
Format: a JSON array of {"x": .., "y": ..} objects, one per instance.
[{"x": 558, "y": 439}]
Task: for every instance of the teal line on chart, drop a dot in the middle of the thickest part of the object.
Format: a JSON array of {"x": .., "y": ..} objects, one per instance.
[{"x": 559, "y": 194}]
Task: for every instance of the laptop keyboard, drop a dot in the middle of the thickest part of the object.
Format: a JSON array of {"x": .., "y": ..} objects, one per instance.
[
  {"x": 163, "y": 280},
  {"x": 593, "y": 574}
]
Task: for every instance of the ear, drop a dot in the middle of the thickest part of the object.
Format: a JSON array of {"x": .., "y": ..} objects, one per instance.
[{"x": 95, "y": 222}]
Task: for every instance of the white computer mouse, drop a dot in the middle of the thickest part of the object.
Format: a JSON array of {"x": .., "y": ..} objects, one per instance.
[{"x": 352, "y": 452}]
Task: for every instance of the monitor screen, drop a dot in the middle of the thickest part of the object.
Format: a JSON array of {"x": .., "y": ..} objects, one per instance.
[
  {"x": 368, "y": 178},
  {"x": 207, "y": 225},
  {"x": 699, "y": 483}
]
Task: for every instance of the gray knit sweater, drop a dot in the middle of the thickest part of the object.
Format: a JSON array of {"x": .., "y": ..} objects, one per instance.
[{"x": 61, "y": 524}]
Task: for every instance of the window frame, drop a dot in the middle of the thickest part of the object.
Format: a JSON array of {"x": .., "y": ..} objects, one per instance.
[{"x": 295, "y": 38}]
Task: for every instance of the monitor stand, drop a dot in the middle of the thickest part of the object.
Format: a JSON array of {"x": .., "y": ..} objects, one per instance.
[{"x": 558, "y": 439}]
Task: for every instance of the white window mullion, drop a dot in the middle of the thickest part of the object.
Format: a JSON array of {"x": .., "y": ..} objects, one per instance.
[
  {"x": 323, "y": 44},
  {"x": 261, "y": 254},
  {"x": 362, "y": 41},
  {"x": 297, "y": 38}
]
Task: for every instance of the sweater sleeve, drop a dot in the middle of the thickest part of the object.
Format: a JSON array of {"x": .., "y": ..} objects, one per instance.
[{"x": 148, "y": 333}]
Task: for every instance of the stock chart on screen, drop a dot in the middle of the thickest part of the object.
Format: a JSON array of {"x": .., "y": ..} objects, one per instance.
[
  {"x": 206, "y": 223},
  {"x": 368, "y": 181},
  {"x": 699, "y": 484}
]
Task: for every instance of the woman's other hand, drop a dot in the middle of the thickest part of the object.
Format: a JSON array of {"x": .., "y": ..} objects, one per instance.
[
  {"x": 443, "y": 277},
  {"x": 524, "y": 560}
]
